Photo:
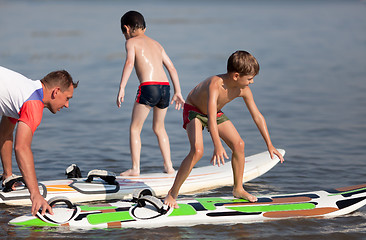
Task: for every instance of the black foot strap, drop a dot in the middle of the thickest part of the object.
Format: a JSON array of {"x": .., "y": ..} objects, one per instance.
[{"x": 10, "y": 181}]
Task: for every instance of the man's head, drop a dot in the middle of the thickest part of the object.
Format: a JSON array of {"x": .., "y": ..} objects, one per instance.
[
  {"x": 134, "y": 20},
  {"x": 59, "y": 90},
  {"x": 243, "y": 63}
]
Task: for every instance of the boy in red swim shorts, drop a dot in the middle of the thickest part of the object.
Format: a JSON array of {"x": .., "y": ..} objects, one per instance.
[
  {"x": 203, "y": 109},
  {"x": 149, "y": 58}
]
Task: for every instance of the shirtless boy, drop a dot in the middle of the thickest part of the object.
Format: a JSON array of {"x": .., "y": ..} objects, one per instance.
[
  {"x": 149, "y": 58},
  {"x": 203, "y": 109}
]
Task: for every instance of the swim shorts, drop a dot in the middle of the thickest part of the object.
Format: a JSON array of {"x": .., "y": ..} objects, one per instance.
[
  {"x": 154, "y": 94},
  {"x": 190, "y": 112}
]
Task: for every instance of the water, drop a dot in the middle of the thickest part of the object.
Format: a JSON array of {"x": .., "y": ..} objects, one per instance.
[{"x": 311, "y": 90}]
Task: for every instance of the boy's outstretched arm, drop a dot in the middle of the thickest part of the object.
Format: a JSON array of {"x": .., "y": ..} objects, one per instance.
[
  {"x": 219, "y": 154},
  {"x": 177, "y": 97},
  {"x": 127, "y": 69},
  {"x": 261, "y": 123}
]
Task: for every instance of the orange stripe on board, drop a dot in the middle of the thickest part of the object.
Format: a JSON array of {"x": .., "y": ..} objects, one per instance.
[
  {"x": 108, "y": 210},
  {"x": 59, "y": 188},
  {"x": 114, "y": 225},
  {"x": 343, "y": 189},
  {"x": 274, "y": 200},
  {"x": 291, "y": 199},
  {"x": 190, "y": 176},
  {"x": 300, "y": 213}
]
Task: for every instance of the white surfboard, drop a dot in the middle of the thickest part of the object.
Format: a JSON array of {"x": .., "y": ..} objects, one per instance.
[
  {"x": 201, "y": 178},
  {"x": 149, "y": 212}
]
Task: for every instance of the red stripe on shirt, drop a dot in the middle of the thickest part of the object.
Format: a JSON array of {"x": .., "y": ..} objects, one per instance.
[{"x": 31, "y": 113}]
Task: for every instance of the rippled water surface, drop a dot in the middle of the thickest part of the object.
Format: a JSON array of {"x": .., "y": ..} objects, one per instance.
[{"x": 311, "y": 90}]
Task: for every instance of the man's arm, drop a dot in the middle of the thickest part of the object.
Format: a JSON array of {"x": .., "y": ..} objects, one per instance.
[
  {"x": 127, "y": 69},
  {"x": 24, "y": 157}
]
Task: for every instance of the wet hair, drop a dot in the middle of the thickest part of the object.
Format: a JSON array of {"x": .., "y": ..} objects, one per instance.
[
  {"x": 59, "y": 78},
  {"x": 243, "y": 63},
  {"x": 132, "y": 19}
]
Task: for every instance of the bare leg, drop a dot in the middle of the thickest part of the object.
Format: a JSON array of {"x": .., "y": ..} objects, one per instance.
[
  {"x": 194, "y": 131},
  {"x": 230, "y": 135},
  {"x": 139, "y": 115},
  {"x": 163, "y": 139},
  {"x": 6, "y": 145}
]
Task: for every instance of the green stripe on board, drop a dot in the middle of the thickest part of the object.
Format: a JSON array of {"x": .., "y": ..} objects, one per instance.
[
  {"x": 96, "y": 208},
  {"x": 272, "y": 208},
  {"x": 209, "y": 203},
  {"x": 183, "y": 210},
  {"x": 109, "y": 217},
  {"x": 35, "y": 222},
  {"x": 352, "y": 191}
]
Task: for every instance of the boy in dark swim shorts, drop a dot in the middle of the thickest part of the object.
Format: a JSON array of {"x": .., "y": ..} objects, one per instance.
[
  {"x": 149, "y": 59},
  {"x": 154, "y": 94},
  {"x": 203, "y": 108}
]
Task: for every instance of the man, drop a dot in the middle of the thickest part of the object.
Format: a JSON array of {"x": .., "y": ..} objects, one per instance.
[{"x": 22, "y": 101}]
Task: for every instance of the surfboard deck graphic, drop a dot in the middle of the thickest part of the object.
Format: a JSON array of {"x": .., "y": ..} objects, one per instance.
[
  {"x": 149, "y": 212},
  {"x": 78, "y": 190}
]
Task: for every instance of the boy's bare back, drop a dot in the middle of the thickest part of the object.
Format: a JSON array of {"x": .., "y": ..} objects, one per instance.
[
  {"x": 149, "y": 58},
  {"x": 219, "y": 85}
]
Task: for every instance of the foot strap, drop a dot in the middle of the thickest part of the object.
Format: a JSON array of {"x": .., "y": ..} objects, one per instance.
[
  {"x": 73, "y": 171},
  {"x": 9, "y": 182},
  {"x": 138, "y": 193},
  {"x": 61, "y": 215},
  {"x": 157, "y": 203},
  {"x": 109, "y": 177}
]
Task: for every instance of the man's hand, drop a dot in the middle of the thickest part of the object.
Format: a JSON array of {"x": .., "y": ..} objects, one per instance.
[{"x": 38, "y": 202}]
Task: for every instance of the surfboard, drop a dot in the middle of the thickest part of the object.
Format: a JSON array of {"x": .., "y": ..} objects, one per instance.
[
  {"x": 149, "y": 212},
  {"x": 201, "y": 178}
]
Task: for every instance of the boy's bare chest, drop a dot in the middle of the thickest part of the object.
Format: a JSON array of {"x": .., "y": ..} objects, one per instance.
[{"x": 227, "y": 95}]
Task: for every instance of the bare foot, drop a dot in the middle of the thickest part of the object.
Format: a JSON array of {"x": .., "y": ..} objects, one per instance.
[
  {"x": 169, "y": 170},
  {"x": 130, "y": 172},
  {"x": 170, "y": 201},
  {"x": 245, "y": 195}
]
